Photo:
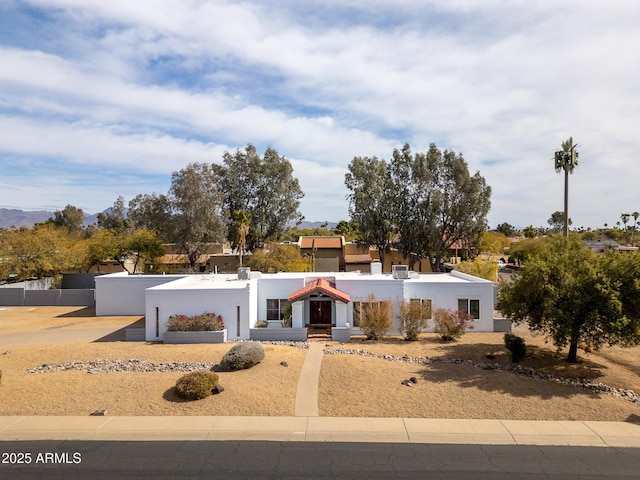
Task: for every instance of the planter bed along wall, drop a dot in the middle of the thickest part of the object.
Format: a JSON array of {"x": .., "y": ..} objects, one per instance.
[{"x": 195, "y": 337}]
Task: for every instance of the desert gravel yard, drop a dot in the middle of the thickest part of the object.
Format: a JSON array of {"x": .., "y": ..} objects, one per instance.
[{"x": 352, "y": 382}]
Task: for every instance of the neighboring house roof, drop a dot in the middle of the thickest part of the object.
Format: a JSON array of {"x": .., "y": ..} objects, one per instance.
[
  {"x": 627, "y": 249},
  {"x": 365, "y": 258},
  {"x": 319, "y": 285},
  {"x": 172, "y": 258},
  {"x": 320, "y": 242}
]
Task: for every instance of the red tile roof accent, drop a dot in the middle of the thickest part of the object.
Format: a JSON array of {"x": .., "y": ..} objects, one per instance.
[
  {"x": 320, "y": 242},
  {"x": 322, "y": 285}
]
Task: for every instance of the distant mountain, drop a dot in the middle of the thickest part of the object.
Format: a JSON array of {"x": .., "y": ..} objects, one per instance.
[
  {"x": 310, "y": 225},
  {"x": 19, "y": 218},
  {"x": 10, "y": 217}
]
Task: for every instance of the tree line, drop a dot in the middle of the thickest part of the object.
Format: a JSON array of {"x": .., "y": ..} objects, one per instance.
[
  {"x": 248, "y": 200},
  {"x": 422, "y": 204}
]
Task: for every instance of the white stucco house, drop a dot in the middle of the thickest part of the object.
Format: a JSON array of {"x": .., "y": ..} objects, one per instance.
[{"x": 318, "y": 299}]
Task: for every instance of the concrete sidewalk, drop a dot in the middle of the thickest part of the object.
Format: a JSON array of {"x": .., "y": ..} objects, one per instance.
[{"x": 329, "y": 429}]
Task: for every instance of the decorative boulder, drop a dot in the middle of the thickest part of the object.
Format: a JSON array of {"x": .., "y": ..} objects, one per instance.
[{"x": 241, "y": 356}]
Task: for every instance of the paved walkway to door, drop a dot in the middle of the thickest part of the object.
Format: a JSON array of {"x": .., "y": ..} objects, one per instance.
[{"x": 307, "y": 393}]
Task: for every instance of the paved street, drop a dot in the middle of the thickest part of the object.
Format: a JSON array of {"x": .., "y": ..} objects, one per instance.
[{"x": 316, "y": 460}]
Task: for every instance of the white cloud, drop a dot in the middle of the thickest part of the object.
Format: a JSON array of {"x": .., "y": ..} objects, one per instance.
[{"x": 503, "y": 83}]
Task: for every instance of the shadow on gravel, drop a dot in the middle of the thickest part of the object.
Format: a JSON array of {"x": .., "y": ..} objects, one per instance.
[{"x": 498, "y": 380}]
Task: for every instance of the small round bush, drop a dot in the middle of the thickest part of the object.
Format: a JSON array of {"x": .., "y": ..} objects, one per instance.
[
  {"x": 242, "y": 355},
  {"x": 196, "y": 385},
  {"x": 516, "y": 346}
]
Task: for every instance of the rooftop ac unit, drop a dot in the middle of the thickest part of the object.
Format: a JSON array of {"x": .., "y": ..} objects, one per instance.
[
  {"x": 400, "y": 271},
  {"x": 244, "y": 273}
]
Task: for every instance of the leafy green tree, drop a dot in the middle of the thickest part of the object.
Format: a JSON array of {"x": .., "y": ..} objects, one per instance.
[
  {"x": 144, "y": 246},
  {"x": 347, "y": 228},
  {"x": 507, "y": 229},
  {"x": 436, "y": 203},
  {"x": 556, "y": 221},
  {"x": 276, "y": 257},
  {"x": 573, "y": 296},
  {"x": 71, "y": 218},
  {"x": 530, "y": 232},
  {"x": 494, "y": 242},
  {"x": 115, "y": 217},
  {"x": 152, "y": 212},
  {"x": 477, "y": 267},
  {"x": 42, "y": 251},
  {"x": 370, "y": 204},
  {"x": 101, "y": 247},
  {"x": 265, "y": 188},
  {"x": 197, "y": 209},
  {"x": 522, "y": 251}
]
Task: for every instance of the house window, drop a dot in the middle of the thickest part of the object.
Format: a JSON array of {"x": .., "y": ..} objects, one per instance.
[
  {"x": 426, "y": 304},
  {"x": 358, "y": 307},
  {"x": 274, "y": 308},
  {"x": 470, "y": 307}
]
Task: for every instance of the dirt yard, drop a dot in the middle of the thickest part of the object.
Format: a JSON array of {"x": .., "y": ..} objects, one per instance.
[{"x": 350, "y": 385}]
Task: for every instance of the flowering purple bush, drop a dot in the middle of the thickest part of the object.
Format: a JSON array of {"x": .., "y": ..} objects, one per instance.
[{"x": 204, "y": 322}]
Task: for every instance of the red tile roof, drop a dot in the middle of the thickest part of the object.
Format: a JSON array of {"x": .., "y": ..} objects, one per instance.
[
  {"x": 320, "y": 242},
  {"x": 323, "y": 286}
]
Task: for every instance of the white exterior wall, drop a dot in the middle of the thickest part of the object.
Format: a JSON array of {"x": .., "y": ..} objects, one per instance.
[
  {"x": 445, "y": 294},
  {"x": 274, "y": 287},
  {"x": 123, "y": 294},
  {"x": 185, "y": 301},
  {"x": 384, "y": 288}
]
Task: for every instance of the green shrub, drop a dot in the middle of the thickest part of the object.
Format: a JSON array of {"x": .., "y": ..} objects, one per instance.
[
  {"x": 196, "y": 385},
  {"x": 204, "y": 322},
  {"x": 286, "y": 315},
  {"x": 451, "y": 324},
  {"x": 262, "y": 323},
  {"x": 241, "y": 356},
  {"x": 516, "y": 346},
  {"x": 414, "y": 316}
]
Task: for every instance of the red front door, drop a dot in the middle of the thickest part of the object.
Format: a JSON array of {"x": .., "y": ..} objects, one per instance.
[{"x": 320, "y": 312}]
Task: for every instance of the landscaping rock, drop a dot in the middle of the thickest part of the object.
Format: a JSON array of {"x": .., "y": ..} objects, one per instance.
[
  {"x": 98, "y": 413},
  {"x": 414, "y": 379},
  {"x": 242, "y": 356},
  {"x": 407, "y": 383},
  {"x": 284, "y": 364},
  {"x": 217, "y": 389},
  {"x": 628, "y": 395}
]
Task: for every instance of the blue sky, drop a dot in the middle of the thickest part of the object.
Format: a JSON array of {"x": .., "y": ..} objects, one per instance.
[{"x": 100, "y": 99}]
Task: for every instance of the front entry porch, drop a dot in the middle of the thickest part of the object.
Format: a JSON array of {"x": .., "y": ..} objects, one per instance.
[{"x": 321, "y": 308}]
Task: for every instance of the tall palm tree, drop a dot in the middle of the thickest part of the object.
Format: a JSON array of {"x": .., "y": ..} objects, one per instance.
[
  {"x": 625, "y": 219},
  {"x": 635, "y": 216},
  {"x": 566, "y": 159},
  {"x": 242, "y": 221}
]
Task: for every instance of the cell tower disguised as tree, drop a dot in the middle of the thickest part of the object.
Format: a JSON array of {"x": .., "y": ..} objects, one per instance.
[{"x": 567, "y": 160}]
